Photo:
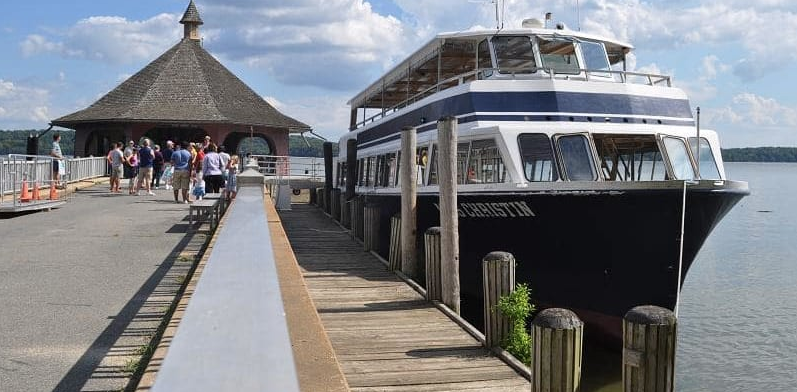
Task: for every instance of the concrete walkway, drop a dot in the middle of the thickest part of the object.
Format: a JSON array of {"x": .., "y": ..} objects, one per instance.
[{"x": 84, "y": 286}]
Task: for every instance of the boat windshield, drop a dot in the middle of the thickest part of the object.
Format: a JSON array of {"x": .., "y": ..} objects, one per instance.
[
  {"x": 559, "y": 55},
  {"x": 630, "y": 157},
  {"x": 577, "y": 159},
  {"x": 514, "y": 54},
  {"x": 536, "y": 152},
  {"x": 679, "y": 158},
  {"x": 708, "y": 166}
]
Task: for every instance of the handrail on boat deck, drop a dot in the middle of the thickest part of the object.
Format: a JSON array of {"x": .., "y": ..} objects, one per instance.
[{"x": 550, "y": 73}]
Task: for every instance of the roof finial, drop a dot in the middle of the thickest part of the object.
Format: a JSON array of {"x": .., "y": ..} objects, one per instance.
[{"x": 191, "y": 21}]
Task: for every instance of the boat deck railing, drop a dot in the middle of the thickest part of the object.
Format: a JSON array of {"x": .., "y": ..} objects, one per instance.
[{"x": 582, "y": 74}]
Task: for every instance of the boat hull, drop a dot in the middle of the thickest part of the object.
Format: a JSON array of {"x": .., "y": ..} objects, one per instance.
[{"x": 598, "y": 252}]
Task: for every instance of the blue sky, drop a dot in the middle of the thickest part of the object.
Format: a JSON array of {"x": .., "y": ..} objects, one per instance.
[{"x": 736, "y": 59}]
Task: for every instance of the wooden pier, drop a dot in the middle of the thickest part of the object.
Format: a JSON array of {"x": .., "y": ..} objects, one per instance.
[{"x": 386, "y": 336}]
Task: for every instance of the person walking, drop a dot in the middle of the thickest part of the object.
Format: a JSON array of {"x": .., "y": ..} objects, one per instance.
[
  {"x": 167, "y": 159},
  {"x": 157, "y": 168},
  {"x": 181, "y": 163},
  {"x": 212, "y": 169},
  {"x": 58, "y": 160},
  {"x": 146, "y": 157},
  {"x": 131, "y": 170},
  {"x": 225, "y": 160},
  {"x": 232, "y": 179},
  {"x": 116, "y": 160}
]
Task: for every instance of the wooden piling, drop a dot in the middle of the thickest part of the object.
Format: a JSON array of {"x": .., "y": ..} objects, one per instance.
[
  {"x": 649, "y": 338},
  {"x": 556, "y": 343},
  {"x": 408, "y": 178},
  {"x": 449, "y": 218},
  {"x": 371, "y": 227},
  {"x": 327, "y": 176},
  {"x": 334, "y": 205},
  {"x": 356, "y": 206},
  {"x": 351, "y": 168},
  {"x": 394, "y": 256},
  {"x": 313, "y": 197},
  {"x": 345, "y": 212},
  {"x": 498, "y": 272},
  {"x": 319, "y": 196},
  {"x": 431, "y": 240}
]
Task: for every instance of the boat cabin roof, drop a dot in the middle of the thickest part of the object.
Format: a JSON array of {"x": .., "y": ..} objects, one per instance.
[{"x": 450, "y": 54}]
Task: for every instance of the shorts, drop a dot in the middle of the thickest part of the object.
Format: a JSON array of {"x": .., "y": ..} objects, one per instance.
[
  {"x": 145, "y": 174},
  {"x": 117, "y": 172},
  {"x": 181, "y": 179}
]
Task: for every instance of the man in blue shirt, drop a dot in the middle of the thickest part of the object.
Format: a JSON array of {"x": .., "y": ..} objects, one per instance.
[
  {"x": 145, "y": 158},
  {"x": 181, "y": 179}
]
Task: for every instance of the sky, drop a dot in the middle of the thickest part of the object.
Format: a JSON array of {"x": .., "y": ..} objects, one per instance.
[{"x": 737, "y": 60}]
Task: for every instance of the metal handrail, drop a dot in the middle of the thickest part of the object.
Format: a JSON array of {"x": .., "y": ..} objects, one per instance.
[
  {"x": 550, "y": 73},
  {"x": 39, "y": 168}
]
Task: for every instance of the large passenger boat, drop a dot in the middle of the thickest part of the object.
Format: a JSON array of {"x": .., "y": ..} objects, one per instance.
[{"x": 578, "y": 167}]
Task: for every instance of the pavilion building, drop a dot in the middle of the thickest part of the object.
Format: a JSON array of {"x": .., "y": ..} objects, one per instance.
[{"x": 183, "y": 95}]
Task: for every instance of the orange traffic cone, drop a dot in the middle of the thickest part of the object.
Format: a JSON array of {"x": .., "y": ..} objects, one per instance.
[
  {"x": 24, "y": 196},
  {"x": 53, "y": 192},
  {"x": 36, "y": 191}
]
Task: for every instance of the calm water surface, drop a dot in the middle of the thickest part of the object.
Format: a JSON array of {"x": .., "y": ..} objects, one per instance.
[{"x": 738, "y": 316}]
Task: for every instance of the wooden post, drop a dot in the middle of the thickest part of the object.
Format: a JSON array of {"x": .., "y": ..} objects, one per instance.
[
  {"x": 449, "y": 220},
  {"x": 431, "y": 241},
  {"x": 327, "y": 176},
  {"x": 356, "y": 206},
  {"x": 313, "y": 197},
  {"x": 498, "y": 272},
  {"x": 408, "y": 176},
  {"x": 394, "y": 256},
  {"x": 319, "y": 196},
  {"x": 371, "y": 227},
  {"x": 556, "y": 343},
  {"x": 345, "y": 212},
  {"x": 649, "y": 337},
  {"x": 351, "y": 168},
  {"x": 334, "y": 204}
]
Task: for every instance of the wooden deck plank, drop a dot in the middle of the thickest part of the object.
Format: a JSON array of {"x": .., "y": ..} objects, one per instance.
[{"x": 386, "y": 336}]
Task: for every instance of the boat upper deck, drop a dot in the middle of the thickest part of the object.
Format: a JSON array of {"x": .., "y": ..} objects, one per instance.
[{"x": 453, "y": 59}]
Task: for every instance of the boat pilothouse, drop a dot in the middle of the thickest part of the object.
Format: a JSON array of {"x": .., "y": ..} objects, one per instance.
[{"x": 565, "y": 159}]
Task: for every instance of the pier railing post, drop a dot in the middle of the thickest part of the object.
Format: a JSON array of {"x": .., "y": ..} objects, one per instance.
[
  {"x": 371, "y": 227},
  {"x": 556, "y": 342},
  {"x": 335, "y": 204},
  {"x": 394, "y": 256},
  {"x": 498, "y": 271},
  {"x": 449, "y": 218},
  {"x": 408, "y": 177},
  {"x": 345, "y": 213},
  {"x": 356, "y": 206},
  {"x": 649, "y": 337},
  {"x": 431, "y": 240}
]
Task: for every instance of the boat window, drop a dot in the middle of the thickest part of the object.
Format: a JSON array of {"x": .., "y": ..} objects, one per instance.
[
  {"x": 536, "y": 153},
  {"x": 485, "y": 164},
  {"x": 423, "y": 163},
  {"x": 371, "y": 179},
  {"x": 679, "y": 158},
  {"x": 559, "y": 55},
  {"x": 707, "y": 165},
  {"x": 433, "y": 166},
  {"x": 361, "y": 172},
  {"x": 463, "y": 152},
  {"x": 514, "y": 54},
  {"x": 577, "y": 158},
  {"x": 485, "y": 62},
  {"x": 595, "y": 57},
  {"x": 630, "y": 157}
]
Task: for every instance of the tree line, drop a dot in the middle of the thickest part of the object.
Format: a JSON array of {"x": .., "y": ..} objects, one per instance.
[{"x": 760, "y": 154}]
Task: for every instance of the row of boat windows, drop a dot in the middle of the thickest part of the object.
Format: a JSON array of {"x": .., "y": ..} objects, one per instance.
[
  {"x": 564, "y": 157},
  {"x": 516, "y": 55}
]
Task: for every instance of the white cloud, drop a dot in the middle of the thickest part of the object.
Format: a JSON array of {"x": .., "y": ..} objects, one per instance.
[
  {"x": 328, "y": 115},
  {"x": 22, "y": 104},
  {"x": 752, "y": 109},
  {"x": 110, "y": 39}
]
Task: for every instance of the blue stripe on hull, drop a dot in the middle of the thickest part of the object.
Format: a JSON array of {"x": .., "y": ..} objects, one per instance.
[{"x": 599, "y": 105}]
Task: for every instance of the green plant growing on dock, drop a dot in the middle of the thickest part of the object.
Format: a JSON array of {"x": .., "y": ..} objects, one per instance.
[{"x": 517, "y": 307}]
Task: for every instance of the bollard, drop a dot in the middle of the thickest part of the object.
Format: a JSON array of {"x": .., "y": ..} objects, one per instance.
[
  {"x": 431, "y": 243},
  {"x": 556, "y": 342},
  {"x": 649, "y": 336},
  {"x": 313, "y": 197},
  {"x": 498, "y": 272},
  {"x": 345, "y": 214},
  {"x": 335, "y": 204},
  {"x": 371, "y": 227},
  {"x": 394, "y": 255}
]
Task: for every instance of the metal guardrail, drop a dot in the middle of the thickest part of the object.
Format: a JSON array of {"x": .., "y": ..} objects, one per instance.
[
  {"x": 38, "y": 168},
  {"x": 234, "y": 334},
  {"x": 291, "y": 167}
]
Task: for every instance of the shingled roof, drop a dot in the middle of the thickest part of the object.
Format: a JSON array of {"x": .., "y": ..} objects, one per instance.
[
  {"x": 191, "y": 15},
  {"x": 184, "y": 85}
]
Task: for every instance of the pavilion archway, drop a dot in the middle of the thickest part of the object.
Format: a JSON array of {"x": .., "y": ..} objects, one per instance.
[{"x": 242, "y": 143}]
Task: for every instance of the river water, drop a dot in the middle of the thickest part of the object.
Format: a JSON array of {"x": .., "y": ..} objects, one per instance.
[{"x": 738, "y": 316}]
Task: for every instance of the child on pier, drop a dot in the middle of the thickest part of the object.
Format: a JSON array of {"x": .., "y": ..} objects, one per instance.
[{"x": 199, "y": 186}]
